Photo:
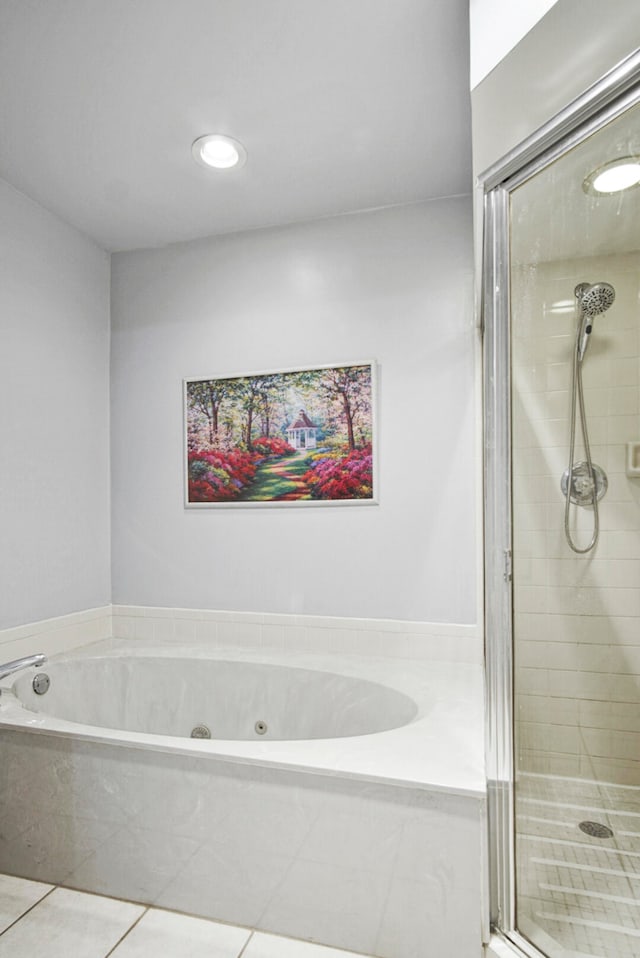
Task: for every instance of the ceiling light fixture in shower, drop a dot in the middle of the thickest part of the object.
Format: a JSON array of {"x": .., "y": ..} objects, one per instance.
[
  {"x": 218, "y": 152},
  {"x": 613, "y": 177}
]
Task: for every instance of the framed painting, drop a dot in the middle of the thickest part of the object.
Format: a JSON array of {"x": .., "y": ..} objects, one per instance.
[{"x": 289, "y": 437}]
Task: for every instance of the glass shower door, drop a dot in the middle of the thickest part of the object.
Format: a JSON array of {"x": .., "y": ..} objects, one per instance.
[{"x": 575, "y": 458}]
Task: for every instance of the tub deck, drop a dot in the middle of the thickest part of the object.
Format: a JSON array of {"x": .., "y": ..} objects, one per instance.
[{"x": 441, "y": 749}]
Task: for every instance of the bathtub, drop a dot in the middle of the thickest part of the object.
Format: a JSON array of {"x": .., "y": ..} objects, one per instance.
[
  {"x": 337, "y": 799},
  {"x": 233, "y": 700}
]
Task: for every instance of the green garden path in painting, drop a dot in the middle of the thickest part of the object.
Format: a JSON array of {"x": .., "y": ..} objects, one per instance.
[{"x": 279, "y": 480}]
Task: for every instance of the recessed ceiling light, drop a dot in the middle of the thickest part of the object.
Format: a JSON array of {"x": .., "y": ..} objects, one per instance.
[
  {"x": 218, "y": 152},
  {"x": 613, "y": 177}
]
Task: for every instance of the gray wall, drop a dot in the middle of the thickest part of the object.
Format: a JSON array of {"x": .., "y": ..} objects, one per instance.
[
  {"x": 392, "y": 285},
  {"x": 568, "y": 50},
  {"x": 54, "y": 416}
]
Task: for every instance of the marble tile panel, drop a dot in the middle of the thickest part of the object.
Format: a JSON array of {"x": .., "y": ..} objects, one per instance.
[
  {"x": 180, "y": 936},
  {"x": 45, "y": 774},
  {"x": 258, "y": 823},
  {"x": 438, "y": 845},
  {"x": 135, "y": 863},
  {"x": 52, "y": 847},
  {"x": 69, "y": 923},
  {"x": 216, "y": 883},
  {"x": 451, "y": 931},
  {"x": 334, "y": 904},
  {"x": 354, "y": 834}
]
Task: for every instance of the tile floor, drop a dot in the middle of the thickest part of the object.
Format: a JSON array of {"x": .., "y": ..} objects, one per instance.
[
  {"x": 579, "y": 894},
  {"x": 45, "y": 921}
]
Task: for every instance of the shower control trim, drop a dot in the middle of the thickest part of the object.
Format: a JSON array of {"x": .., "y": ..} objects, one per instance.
[{"x": 582, "y": 483}]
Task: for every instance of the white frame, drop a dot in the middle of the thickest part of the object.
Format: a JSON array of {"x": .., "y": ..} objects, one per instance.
[{"x": 373, "y": 501}]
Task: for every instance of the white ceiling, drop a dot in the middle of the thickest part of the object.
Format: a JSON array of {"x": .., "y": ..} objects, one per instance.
[{"x": 341, "y": 105}]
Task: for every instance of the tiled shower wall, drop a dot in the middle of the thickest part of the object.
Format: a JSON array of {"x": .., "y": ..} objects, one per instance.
[{"x": 576, "y": 618}]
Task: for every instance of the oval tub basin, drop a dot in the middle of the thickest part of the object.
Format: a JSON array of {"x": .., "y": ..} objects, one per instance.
[{"x": 234, "y": 700}]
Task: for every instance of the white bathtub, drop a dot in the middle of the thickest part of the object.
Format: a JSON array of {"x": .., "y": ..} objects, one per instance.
[
  {"x": 355, "y": 820},
  {"x": 171, "y": 695}
]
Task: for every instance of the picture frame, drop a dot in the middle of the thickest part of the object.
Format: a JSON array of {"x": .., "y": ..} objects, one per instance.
[{"x": 288, "y": 438}]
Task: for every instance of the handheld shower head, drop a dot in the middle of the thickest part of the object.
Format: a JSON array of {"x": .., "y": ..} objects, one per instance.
[
  {"x": 597, "y": 298},
  {"x": 593, "y": 299}
]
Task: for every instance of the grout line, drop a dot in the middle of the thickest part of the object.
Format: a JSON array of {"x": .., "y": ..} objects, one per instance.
[
  {"x": 129, "y": 929},
  {"x": 35, "y": 905},
  {"x": 148, "y": 908},
  {"x": 185, "y": 914},
  {"x": 246, "y": 944}
]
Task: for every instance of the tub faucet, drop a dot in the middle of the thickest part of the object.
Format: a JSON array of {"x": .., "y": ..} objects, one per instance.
[{"x": 23, "y": 663}]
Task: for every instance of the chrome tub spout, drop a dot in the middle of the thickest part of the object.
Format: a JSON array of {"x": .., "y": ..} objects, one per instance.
[{"x": 23, "y": 663}]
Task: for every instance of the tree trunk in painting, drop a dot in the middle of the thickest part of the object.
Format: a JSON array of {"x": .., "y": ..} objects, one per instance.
[
  {"x": 249, "y": 426},
  {"x": 215, "y": 401},
  {"x": 349, "y": 418}
]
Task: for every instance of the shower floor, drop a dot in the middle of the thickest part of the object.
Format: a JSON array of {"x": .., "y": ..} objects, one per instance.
[{"x": 578, "y": 895}]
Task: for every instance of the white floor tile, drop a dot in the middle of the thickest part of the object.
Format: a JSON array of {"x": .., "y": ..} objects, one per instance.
[
  {"x": 180, "y": 936},
  {"x": 272, "y": 946},
  {"x": 17, "y": 895},
  {"x": 69, "y": 923}
]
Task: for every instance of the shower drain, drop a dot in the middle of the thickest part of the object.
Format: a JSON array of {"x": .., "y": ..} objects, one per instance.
[{"x": 595, "y": 830}]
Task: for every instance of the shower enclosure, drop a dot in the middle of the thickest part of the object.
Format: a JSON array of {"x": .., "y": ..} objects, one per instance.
[{"x": 562, "y": 438}]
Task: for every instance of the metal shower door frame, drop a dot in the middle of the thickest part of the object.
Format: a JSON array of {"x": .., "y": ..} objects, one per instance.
[{"x": 610, "y": 97}]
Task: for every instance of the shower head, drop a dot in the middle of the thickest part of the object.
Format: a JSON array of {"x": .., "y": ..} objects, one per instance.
[
  {"x": 596, "y": 298},
  {"x": 593, "y": 299}
]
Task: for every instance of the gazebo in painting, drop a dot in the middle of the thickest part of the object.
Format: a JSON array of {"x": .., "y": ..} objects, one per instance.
[{"x": 302, "y": 433}]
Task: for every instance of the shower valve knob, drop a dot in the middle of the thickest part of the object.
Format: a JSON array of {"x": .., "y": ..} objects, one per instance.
[
  {"x": 582, "y": 483},
  {"x": 583, "y": 486}
]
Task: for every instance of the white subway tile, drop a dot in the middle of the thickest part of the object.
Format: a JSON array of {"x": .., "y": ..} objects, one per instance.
[
  {"x": 163, "y": 629},
  {"x": 624, "y": 370},
  {"x": 207, "y": 630},
  {"x": 143, "y": 628},
  {"x": 184, "y": 628}
]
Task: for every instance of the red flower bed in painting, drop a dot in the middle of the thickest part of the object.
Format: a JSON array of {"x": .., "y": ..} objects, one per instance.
[
  {"x": 272, "y": 446},
  {"x": 218, "y": 476},
  {"x": 343, "y": 477}
]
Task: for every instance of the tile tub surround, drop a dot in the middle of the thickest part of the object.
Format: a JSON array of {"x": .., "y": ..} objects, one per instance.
[
  {"x": 357, "y": 843},
  {"x": 390, "y": 638},
  {"x": 60, "y": 634}
]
